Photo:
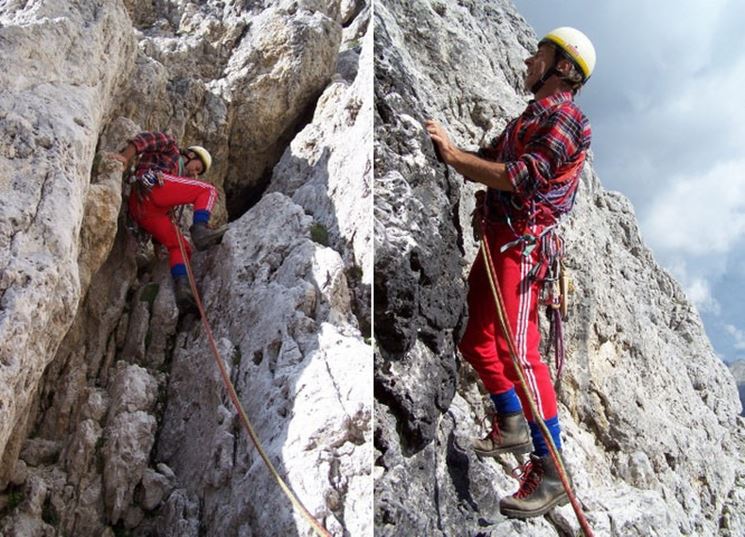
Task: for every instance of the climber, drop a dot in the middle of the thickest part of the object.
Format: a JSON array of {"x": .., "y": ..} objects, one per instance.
[
  {"x": 165, "y": 178},
  {"x": 532, "y": 172}
]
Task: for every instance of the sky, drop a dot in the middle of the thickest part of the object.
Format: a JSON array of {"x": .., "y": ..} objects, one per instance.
[{"x": 668, "y": 118}]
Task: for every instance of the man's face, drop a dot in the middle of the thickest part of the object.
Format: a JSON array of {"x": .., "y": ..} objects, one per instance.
[
  {"x": 538, "y": 64},
  {"x": 193, "y": 165}
]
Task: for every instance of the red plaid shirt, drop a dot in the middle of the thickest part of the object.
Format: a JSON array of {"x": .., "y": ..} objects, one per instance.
[
  {"x": 158, "y": 151},
  {"x": 548, "y": 141}
]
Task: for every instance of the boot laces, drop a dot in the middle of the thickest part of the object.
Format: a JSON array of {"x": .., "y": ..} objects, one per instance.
[
  {"x": 495, "y": 434},
  {"x": 530, "y": 475}
]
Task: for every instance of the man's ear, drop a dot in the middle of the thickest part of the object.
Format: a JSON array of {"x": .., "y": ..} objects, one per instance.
[{"x": 564, "y": 66}]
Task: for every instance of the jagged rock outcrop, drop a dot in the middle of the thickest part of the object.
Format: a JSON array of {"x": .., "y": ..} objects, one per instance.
[
  {"x": 645, "y": 402},
  {"x": 113, "y": 418},
  {"x": 319, "y": 177},
  {"x": 229, "y": 71},
  {"x": 738, "y": 371},
  {"x": 296, "y": 369},
  {"x": 54, "y": 99}
]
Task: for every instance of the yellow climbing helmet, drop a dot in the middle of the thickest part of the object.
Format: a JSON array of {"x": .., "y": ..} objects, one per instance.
[
  {"x": 203, "y": 155},
  {"x": 576, "y": 45}
]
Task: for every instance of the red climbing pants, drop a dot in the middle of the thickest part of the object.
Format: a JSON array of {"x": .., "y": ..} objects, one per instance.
[
  {"x": 483, "y": 343},
  {"x": 151, "y": 212}
]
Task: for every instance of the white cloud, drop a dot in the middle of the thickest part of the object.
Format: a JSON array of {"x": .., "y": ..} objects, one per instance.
[
  {"x": 738, "y": 336},
  {"x": 699, "y": 292},
  {"x": 696, "y": 285},
  {"x": 699, "y": 215}
]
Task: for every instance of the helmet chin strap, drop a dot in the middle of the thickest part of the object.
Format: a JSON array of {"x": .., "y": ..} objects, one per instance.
[
  {"x": 535, "y": 88},
  {"x": 551, "y": 71}
]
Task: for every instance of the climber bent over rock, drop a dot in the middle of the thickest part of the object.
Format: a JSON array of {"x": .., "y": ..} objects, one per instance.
[
  {"x": 166, "y": 178},
  {"x": 532, "y": 171}
]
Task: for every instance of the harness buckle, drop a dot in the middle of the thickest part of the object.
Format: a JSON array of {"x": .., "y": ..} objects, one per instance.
[{"x": 528, "y": 241}]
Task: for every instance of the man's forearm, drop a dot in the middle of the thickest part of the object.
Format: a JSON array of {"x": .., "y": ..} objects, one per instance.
[{"x": 486, "y": 172}]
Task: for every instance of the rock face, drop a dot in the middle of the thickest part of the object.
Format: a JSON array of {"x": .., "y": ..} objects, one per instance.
[
  {"x": 231, "y": 71},
  {"x": 317, "y": 177},
  {"x": 644, "y": 401},
  {"x": 296, "y": 369},
  {"x": 112, "y": 417},
  {"x": 54, "y": 100},
  {"x": 738, "y": 371}
]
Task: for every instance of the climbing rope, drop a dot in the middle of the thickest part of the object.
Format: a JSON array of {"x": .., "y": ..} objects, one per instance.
[
  {"x": 502, "y": 315},
  {"x": 314, "y": 523}
]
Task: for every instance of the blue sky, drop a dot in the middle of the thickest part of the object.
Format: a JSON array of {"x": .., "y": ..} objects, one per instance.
[{"x": 668, "y": 114}]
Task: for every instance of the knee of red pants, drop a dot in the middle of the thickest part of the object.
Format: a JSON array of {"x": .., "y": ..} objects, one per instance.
[
  {"x": 479, "y": 342},
  {"x": 157, "y": 222},
  {"x": 206, "y": 200},
  {"x": 174, "y": 252},
  {"x": 178, "y": 190}
]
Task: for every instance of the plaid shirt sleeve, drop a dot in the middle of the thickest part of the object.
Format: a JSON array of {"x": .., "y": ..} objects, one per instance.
[
  {"x": 556, "y": 142},
  {"x": 154, "y": 142},
  {"x": 158, "y": 151}
]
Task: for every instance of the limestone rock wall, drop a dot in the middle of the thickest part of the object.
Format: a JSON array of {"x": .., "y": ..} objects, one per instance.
[
  {"x": 644, "y": 401},
  {"x": 321, "y": 179},
  {"x": 738, "y": 371},
  {"x": 113, "y": 419},
  {"x": 54, "y": 99},
  {"x": 299, "y": 370},
  {"x": 239, "y": 78}
]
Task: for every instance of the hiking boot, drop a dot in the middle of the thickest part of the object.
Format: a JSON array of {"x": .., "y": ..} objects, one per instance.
[
  {"x": 509, "y": 434},
  {"x": 204, "y": 237},
  {"x": 184, "y": 297},
  {"x": 540, "y": 490}
]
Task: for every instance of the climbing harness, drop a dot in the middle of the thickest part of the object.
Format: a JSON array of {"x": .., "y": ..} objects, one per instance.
[
  {"x": 549, "y": 270},
  {"x": 507, "y": 332},
  {"x": 131, "y": 188},
  {"x": 317, "y": 527}
]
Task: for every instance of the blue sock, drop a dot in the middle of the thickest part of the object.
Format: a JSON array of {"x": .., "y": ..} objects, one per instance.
[
  {"x": 202, "y": 216},
  {"x": 178, "y": 270},
  {"x": 506, "y": 402},
  {"x": 540, "y": 445}
]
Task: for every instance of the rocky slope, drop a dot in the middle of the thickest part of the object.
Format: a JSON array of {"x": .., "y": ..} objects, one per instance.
[
  {"x": 113, "y": 420},
  {"x": 644, "y": 401}
]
